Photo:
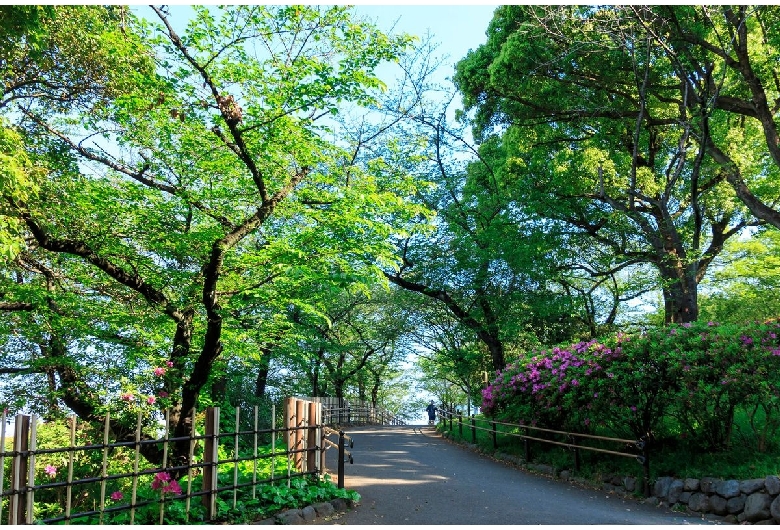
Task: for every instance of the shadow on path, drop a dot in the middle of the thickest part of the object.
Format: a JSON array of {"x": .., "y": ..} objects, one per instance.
[{"x": 411, "y": 475}]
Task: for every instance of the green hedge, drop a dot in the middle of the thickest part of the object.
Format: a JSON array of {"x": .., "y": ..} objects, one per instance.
[{"x": 687, "y": 382}]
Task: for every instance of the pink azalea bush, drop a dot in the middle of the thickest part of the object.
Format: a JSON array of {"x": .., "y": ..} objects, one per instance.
[{"x": 679, "y": 380}]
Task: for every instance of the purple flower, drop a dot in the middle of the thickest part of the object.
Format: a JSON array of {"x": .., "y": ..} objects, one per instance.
[
  {"x": 117, "y": 496},
  {"x": 50, "y": 470}
]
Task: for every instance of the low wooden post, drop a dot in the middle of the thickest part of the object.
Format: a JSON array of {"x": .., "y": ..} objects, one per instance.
[
  {"x": 460, "y": 424},
  {"x": 18, "y": 501},
  {"x": 495, "y": 440},
  {"x": 527, "y": 446},
  {"x": 576, "y": 452},
  {"x": 210, "y": 459},
  {"x": 473, "y": 429}
]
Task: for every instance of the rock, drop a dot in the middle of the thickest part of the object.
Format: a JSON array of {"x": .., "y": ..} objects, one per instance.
[
  {"x": 616, "y": 481},
  {"x": 772, "y": 484},
  {"x": 675, "y": 490},
  {"x": 565, "y": 474},
  {"x": 691, "y": 484},
  {"x": 741, "y": 517},
  {"x": 651, "y": 500},
  {"x": 718, "y": 505},
  {"x": 707, "y": 484},
  {"x": 751, "y": 486},
  {"x": 290, "y": 517},
  {"x": 727, "y": 488},
  {"x": 661, "y": 487},
  {"x": 630, "y": 484},
  {"x": 774, "y": 509},
  {"x": 323, "y": 509},
  {"x": 768, "y": 521},
  {"x": 736, "y": 504},
  {"x": 685, "y": 496},
  {"x": 340, "y": 504},
  {"x": 270, "y": 520},
  {"x": 699, "y": 502},
  {"x": 308, "y": 513},
  {"x": 757, "y": 507},
  {"x": 730, "y": 519}
]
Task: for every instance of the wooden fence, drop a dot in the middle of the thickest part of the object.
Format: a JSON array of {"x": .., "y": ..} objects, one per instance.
[
  {"x": 337, "y": 411},
  {"x": 88, "y": 487}
]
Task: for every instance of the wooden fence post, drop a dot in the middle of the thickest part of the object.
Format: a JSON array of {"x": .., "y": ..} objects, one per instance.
[
  {"x": 17, "y": 503},
  {"x": 210, "y": 459},
  {"x": 298, "y": 447},
  {"x": 311, "y": 439}
]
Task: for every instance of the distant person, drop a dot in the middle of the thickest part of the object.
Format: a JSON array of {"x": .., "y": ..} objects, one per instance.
[{"x": 431, "y": 409}]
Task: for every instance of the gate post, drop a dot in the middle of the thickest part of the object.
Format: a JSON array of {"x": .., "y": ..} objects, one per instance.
[
  {"x": 210, "y": 458},
  {"x": 311, "y": 439},
  {"x": 17, "y": 503}
]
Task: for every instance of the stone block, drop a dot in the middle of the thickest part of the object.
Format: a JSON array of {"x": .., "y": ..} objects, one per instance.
[
  {"x": 630, "y": 484},
  {"x": 727, "y": 488},
  {"x": 674, "y": 492},
  {"x": 308, "y": 513},
  {"x": 661, "y": 487},
  {"x": 772, "y": 485},
  {"x": 685, "y": 496},
  {"x": 691, "y": 484},
  {"x": 323, "y": 509},
  {"x": 290, "y": 517},
  {"x": 774, "y": 509},
  {"x": 707, "y": 484},
  {"x": 339, "y": 504},
  {"x": 757, "y": 507},
  {"x": 718, "y": 505},
  {"x": 699, "y": 502},
  {"x": 751, "y": 486},
  {"x": 736, "y": 504}
]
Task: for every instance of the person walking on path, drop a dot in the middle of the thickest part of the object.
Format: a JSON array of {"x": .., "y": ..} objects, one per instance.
[{"x": 431, "y": 413}]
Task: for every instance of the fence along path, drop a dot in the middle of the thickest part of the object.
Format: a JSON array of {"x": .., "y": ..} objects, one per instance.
[{"x": 301, "y": 443}]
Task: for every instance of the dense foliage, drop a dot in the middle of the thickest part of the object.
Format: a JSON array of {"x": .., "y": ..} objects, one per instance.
[{"x": 684, "y": 381}]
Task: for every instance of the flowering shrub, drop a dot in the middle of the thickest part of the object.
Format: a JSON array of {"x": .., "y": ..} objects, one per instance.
[{"x": 676, "y": 381}]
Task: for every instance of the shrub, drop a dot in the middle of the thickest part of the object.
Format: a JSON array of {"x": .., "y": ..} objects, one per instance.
[{"x": 682, "y": 381}]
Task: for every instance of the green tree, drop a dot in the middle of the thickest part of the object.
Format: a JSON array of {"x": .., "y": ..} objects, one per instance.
[
  {"x": 600, "y": 136},
  {"x": 206, "y": 183}
]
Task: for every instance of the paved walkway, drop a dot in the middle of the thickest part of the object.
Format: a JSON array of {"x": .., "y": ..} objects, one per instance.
[{"x": 411, "y": 475}]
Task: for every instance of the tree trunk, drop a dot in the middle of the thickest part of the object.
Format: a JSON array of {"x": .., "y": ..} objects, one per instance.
[{"x": 681, "y": 301}]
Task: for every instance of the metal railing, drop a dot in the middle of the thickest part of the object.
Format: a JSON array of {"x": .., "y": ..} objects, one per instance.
[
  {"x": 576, "y": 442},
  {"x": 85, "y": 485}
]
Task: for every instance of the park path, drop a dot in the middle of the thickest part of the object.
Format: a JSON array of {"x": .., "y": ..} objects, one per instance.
[{"x": 411, "y": 475}]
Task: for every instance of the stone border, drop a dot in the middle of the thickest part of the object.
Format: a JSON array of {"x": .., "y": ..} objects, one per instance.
[{"x": 309, "y": 514}]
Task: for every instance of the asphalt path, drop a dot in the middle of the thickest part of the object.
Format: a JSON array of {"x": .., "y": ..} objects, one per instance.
[{"x": 411, "y": 475}]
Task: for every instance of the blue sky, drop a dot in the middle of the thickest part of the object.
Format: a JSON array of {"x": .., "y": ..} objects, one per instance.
[{"x": 457, "y": 28}]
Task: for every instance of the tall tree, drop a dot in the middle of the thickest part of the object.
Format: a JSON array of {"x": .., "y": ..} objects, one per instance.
[
  {"x": 599, "y": 134},
  {"x": 204, "y": 181}
]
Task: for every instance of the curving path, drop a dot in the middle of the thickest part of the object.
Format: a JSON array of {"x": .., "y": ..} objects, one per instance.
[{"x": 411, "y": 475}]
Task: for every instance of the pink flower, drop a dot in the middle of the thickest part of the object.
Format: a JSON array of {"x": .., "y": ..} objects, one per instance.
[
  {"x": 163, "y": 394},
  {"x": 127, "y": 396},
  {"x": 50, "y": 470},
  {"x": 633, "y": 408},
  {"x": 151, "y": 400},
  {"x": 162, "y": 475},
  {"x": 159, "y": 371},
  {"x": 169, "y": 363},
  {"x": 117, "y": 496},
  {"x": 172, "y": 487}
]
